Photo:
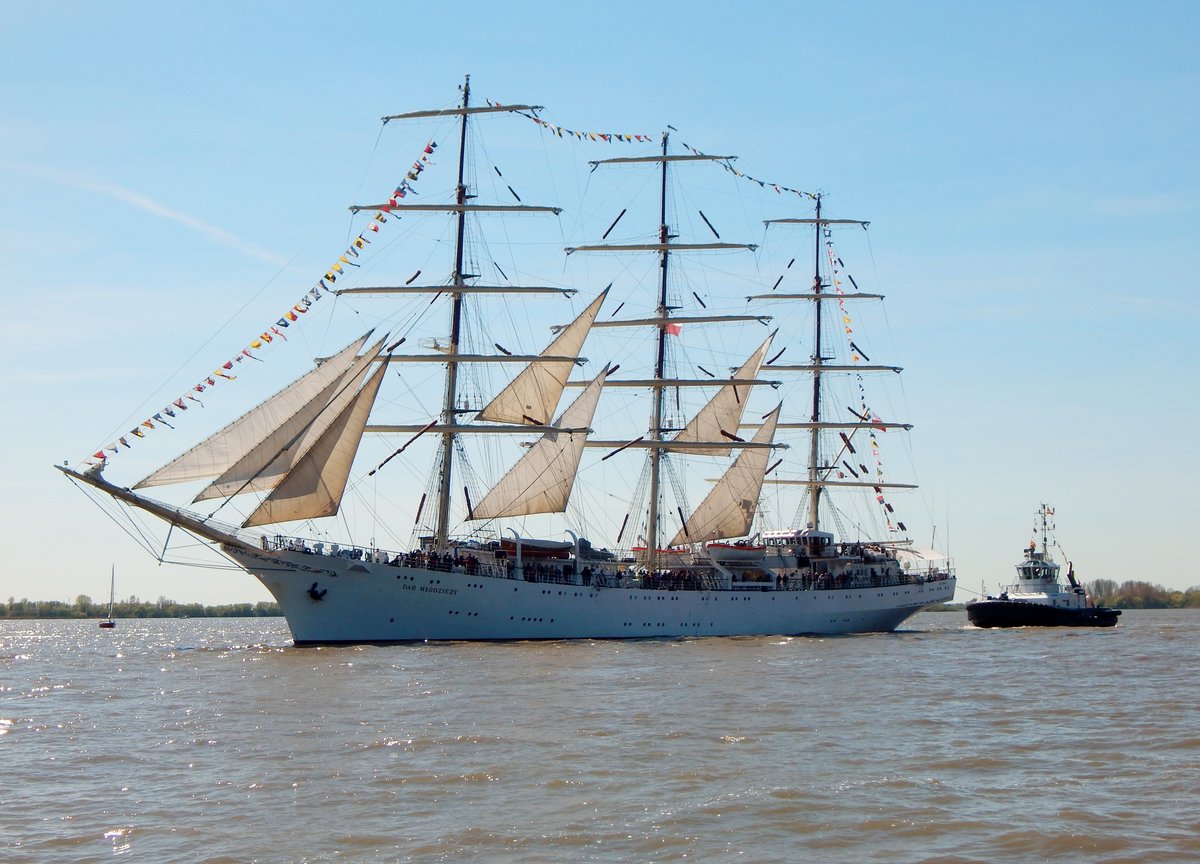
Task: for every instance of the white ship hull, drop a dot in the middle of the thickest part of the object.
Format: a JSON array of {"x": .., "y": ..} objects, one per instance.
[{"x": 366, "y": 602}]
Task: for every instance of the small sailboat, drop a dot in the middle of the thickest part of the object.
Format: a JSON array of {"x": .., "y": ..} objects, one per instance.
[{"x": 109, "y": 623}]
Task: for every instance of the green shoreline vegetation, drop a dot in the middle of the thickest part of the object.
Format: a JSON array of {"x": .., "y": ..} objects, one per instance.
[
  {"x": 1104, "y": 592},
  {"x": 132, "y": 607}
]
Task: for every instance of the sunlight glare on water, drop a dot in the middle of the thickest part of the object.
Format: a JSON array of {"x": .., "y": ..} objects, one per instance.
[{"x": 216, "y": 740}]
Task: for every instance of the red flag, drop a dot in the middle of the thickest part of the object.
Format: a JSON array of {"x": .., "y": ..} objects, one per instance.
[{"x": 674, "y": 329}]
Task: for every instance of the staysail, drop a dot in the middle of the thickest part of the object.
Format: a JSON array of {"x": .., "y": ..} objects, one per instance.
[
  {"x": 728, "y": 510},
  {"x": 542, "y": 479},
  {"x": 267, "y": 463},
  {"x": 314, "y": 486},
  {"x": 533, "y": 395},
  {"x": 719, "y": 419},
  {"x": 221, "y": 450}
]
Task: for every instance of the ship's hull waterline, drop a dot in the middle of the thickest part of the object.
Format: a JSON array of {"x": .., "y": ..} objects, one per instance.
[
  {"x": 328, "y": 600},
  {"x": 1026, "y": 613}
]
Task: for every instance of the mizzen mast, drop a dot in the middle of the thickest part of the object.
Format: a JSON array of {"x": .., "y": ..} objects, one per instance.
[{"x": 818, "y": 473}]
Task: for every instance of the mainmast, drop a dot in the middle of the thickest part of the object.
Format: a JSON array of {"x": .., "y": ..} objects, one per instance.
[
  {"x": 659, "y": 370},
  {"x": 654, "y": 440}
]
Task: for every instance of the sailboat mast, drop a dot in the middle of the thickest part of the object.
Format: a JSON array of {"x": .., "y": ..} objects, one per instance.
[
  {"x": 814, "y": 472},
  {"x": 659, "y": 370},
  {"x": 450, "y": 401}
]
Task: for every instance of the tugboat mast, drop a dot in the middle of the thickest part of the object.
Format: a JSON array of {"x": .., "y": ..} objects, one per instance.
[{"x": 1045, "y": 511}]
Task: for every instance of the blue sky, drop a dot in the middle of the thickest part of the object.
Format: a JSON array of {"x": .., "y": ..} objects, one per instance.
[{"x": 1028, "y": 168}]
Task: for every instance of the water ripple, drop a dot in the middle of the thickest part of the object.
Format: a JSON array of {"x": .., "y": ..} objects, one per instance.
[{"x": 216, "y": 741}]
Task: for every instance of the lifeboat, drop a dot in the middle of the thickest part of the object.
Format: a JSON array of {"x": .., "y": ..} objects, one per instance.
[{"x": 734, "y": 551}]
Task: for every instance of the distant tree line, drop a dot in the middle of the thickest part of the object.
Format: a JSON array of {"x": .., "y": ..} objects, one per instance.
[
  {"x": 1141, "y": 595},
  {"x": 84, "y": 607}
]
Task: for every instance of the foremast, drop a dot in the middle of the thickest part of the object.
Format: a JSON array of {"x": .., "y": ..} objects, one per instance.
[
  {"x": 441, "y": 532},
  {"x": 447, "y": 427}
]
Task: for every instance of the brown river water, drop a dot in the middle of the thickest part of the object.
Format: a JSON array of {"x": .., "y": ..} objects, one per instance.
[{"x": 211, "y": 740}]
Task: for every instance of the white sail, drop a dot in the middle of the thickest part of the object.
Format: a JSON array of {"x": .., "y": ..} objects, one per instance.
[
  {"x": 728, "y": 510},
  {"x": 270, "y": 460},
  {"x": 542, "y": 479},
  {"x": 314, "y": 486},
  {"x": 723, "y": 413},
  {"x": 533, "y": 395},
  {"x": 221, "y": 450}
]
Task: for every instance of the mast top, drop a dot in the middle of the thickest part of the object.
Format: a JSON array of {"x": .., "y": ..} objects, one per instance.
[
  {"x": 681, "y": 157},
  {"x": 460, "y": 111},
  {"x": 817, "y": 221}
]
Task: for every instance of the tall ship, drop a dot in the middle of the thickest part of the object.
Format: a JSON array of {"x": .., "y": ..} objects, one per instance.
[
  {"x": 632, "y": 557},
  {"x": 1038, "y": 598}
]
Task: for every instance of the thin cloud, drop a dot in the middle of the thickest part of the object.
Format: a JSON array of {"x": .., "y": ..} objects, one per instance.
[
  {"x": 1139, "y": 205},
  {"x": 148, "y": 205}
]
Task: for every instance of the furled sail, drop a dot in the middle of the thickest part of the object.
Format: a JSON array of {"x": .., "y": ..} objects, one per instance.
[
  {"x": 314, "y": 486},
  {"x": 720, "y": 418},
  {"x": 224, "y": 448},
  {"x": 729, "y": 508},
  {"x": 533, "y": 395},
  {"x": 542, "y": 479},
  {"x": 266, "y": 465}
]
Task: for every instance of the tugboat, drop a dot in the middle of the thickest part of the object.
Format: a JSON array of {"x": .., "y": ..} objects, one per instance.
[{"x": 1038, "y": 599}]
